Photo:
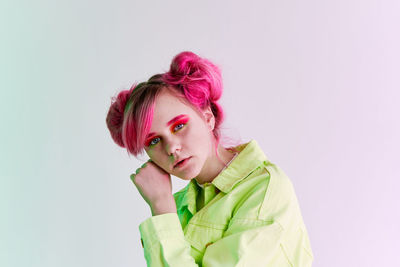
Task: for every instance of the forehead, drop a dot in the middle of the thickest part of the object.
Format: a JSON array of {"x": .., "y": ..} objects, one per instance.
[{"x": 167, "y": 106}]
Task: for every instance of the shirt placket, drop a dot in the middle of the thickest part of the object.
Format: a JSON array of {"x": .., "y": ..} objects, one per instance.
[{"x": 209, "y": 193}]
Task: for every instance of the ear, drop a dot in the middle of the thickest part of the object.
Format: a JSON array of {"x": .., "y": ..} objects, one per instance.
[{"x": 209, "y": 118}]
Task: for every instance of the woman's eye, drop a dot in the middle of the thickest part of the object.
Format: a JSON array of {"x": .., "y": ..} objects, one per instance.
[
  {"x": 155, "y": 141},
  {"x": 152, "y": 141},
  {"x": 179, "y": 126}
]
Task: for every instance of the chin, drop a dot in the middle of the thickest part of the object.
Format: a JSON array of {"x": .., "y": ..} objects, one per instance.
[{"x": 188, "y": 176}]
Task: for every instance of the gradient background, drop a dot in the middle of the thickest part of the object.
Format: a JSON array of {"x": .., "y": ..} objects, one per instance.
[{"x": 316, "y": 83}]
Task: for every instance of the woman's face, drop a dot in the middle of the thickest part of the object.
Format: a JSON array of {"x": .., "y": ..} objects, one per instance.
[{"x": 179, "y": 132}]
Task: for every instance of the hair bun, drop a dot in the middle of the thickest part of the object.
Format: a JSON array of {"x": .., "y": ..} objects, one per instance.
[
  {"x": 185, "y": 63},
  {"x": 196, "y": 75},
  {"x": 115, "y": 116}
]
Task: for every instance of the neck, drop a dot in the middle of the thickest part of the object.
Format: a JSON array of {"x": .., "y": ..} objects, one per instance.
[{"x": 213, "y": 166}]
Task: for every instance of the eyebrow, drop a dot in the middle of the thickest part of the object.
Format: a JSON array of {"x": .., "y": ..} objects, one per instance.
[{"x": 169, "y": 123}]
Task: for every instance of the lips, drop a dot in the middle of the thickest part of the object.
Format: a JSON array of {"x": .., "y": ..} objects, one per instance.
[{"x": 179, "y": 161}]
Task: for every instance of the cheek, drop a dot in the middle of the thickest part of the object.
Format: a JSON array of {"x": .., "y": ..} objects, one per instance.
[
  {"x": 153, "y": 155},
  {"x": 197, "y": 137},
  {"x": 149, "y": 152}
]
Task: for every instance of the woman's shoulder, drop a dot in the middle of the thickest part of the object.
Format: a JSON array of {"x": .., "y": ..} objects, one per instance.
[
  {"x": 268, "y": 177},
  {"x": 268, "y": 190}
]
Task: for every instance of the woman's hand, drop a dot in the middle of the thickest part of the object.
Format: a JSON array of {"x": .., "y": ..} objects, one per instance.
[{"x": 154, "y": 184}]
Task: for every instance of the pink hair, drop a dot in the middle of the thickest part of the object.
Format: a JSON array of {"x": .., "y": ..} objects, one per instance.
[
  {"x": 190, "y": 77},
  {"x": 131, "y": 113},
  {"x": 199, "y": 81}
]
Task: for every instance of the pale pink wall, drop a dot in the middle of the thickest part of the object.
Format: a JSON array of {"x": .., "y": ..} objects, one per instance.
[{"x": 316, "y": 83}]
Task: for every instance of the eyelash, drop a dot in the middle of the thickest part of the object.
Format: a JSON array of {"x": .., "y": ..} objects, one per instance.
[{"x": 149, "y": 143}]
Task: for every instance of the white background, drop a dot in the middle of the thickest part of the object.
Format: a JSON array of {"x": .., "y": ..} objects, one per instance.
[{"x": 314, "y": 82}]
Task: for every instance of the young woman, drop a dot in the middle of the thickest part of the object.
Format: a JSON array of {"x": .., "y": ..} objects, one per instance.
[{"x": 238, "y": 208}]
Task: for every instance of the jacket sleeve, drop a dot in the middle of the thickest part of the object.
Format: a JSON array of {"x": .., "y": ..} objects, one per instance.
[{"x": 164, "y": 243}]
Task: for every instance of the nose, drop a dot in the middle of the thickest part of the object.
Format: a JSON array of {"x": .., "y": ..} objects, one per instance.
[{"x": 172, "y": 145}]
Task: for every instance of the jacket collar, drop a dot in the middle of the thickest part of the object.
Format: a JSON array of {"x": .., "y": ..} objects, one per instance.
[{"x": 249, "y": 158}]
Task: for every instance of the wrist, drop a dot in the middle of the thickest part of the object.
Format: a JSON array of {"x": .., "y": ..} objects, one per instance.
[{"x": 163, "y": 207}]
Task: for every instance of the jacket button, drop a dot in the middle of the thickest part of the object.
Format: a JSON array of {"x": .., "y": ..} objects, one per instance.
[
  {"x": 208, "y": 244},
  {"x": 141, "y": 241}
]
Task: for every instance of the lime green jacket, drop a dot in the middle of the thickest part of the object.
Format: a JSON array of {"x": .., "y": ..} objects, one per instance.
[{"x": 248, "y": 216}]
